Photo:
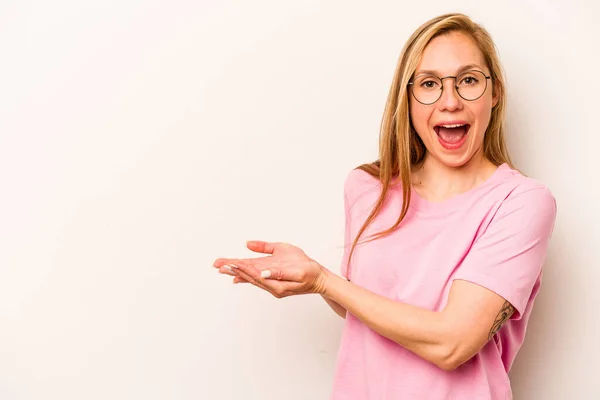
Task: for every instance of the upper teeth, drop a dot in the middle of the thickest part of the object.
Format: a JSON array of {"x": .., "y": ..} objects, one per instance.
[{"x": 453, "y": 126}]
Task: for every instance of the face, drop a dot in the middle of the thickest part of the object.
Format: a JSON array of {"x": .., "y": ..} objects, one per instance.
[{"x": 452, "y": 128}]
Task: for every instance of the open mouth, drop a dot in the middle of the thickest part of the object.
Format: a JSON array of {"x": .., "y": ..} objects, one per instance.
[{"x": 452, "y": 135}]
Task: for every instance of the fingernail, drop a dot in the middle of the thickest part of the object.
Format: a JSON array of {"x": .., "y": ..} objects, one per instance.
[
  {"x": 231, "y": 270},
  {"x": 231, "y": 266},
  {"x": 265, "y": 274}
]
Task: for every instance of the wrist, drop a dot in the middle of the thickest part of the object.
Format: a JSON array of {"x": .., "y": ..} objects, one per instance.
[{"x": 324, "y": 281}]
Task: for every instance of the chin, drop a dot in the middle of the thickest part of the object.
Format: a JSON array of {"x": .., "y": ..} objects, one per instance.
[
  {"x": 454, "y": 159},
  {"x": 453, "y": 163}
]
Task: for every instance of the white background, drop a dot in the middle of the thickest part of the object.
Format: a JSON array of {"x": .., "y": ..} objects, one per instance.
[{"x": 140, "y": 140}]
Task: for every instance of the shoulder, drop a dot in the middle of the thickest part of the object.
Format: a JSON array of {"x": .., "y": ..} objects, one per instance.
[
  {"x": 523, "y": 201},
  {"x": 522, "y": 192},
  {"x": 359, "y": 183},
  {"x": 358, "y": 177}
]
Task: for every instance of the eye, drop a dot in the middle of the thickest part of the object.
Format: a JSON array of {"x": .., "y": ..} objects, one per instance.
[
  {"x": 469, "y": 80},
  {"x": 428, "y": 84}
]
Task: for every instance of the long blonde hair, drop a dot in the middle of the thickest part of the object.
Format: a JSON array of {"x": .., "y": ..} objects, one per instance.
[{"x": 399, "y": 146}]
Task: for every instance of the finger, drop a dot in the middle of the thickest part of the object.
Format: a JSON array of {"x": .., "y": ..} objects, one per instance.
[
  {"x": 251, "y": 279},
  {"x": 278, "y": 289},
  {"x": 259, "y": 246},
  {"x": 239, "y": 279},
  {"x": 226, "y": 269},
  {"x": 287, "y": 274},
  {"x": 219, "y": 262},
  {"x": 272, "y": 278},
  {"x": 248, "y": 271}
]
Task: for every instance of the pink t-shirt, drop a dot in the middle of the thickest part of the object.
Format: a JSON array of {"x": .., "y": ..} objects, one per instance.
[{"x": 495, "y": 235}]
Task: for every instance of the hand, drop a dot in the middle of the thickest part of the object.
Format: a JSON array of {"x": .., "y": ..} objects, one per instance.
[{"x": 286, "y": 271}]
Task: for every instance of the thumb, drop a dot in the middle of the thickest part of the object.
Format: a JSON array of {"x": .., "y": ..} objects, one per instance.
[{"x": 258, "y": 246}]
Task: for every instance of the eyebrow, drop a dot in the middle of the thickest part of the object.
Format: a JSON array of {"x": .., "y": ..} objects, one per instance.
[{"x": 461, "y": 69}]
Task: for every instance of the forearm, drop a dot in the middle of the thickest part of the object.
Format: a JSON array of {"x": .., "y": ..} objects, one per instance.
[
  {"x": 339, "y": 310},
  {"x": 421, "y": 331}
]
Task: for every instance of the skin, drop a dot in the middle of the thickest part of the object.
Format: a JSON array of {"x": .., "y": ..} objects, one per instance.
[
  {"x": 473, "y": 314},
  {"x": 446, "y": 173}
]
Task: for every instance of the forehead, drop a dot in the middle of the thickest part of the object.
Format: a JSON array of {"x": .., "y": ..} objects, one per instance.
[{"x": 446, "y": 54}]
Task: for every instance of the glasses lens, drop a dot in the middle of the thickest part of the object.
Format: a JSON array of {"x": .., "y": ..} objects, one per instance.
[
  {"x": 427, "y": 89},
  {"x": 471, "y": 85}
]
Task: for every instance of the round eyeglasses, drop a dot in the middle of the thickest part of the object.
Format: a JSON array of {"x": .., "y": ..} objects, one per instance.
[{"x": 470, "y": 85}]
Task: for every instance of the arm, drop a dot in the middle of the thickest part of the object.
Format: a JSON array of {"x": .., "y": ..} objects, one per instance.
[
  {"x": 339, "y": 310},
  {"x": 447, "y": 338},
  {"x": 493, "y": 283}
]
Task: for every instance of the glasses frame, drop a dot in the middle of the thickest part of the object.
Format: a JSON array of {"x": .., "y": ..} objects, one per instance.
[{"x": 411, "y": 83}]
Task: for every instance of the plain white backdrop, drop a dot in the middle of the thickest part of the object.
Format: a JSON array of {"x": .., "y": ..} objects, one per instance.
[{"x": 141, "y": 140}]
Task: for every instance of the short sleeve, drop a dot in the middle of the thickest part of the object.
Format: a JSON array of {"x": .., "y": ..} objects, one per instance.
[{"x": 508, "y": 256}]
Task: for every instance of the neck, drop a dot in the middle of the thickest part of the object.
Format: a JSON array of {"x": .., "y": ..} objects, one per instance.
[{"x": 437, "y": 182}]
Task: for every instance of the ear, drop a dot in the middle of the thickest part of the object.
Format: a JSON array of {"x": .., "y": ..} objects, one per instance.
[{"x": 495, "y": 94}]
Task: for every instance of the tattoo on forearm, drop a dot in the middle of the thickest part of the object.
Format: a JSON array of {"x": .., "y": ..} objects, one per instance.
[{"x": 505, "y": 313}]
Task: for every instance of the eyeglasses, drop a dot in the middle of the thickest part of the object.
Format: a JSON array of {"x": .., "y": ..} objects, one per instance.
[{"x": 470, "y": 85}]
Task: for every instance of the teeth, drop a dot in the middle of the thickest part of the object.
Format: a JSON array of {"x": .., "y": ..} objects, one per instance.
[{"x": 453, "y": 126}]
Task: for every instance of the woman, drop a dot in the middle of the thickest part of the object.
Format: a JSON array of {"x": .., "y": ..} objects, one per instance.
[{"x": 445, "y": 240}]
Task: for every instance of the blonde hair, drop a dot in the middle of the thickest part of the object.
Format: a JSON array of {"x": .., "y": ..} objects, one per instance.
[{"x": 399, "y": 146}]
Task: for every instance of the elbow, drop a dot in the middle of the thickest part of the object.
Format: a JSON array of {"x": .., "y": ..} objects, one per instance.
[
  {"x": 448, "y": 364},
  {"x": 452, "y": 356},
  {"x": 457, "y": 345}
]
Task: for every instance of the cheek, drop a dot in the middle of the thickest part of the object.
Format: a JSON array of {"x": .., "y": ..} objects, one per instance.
[
  {"x": 483, "y": 111},
  {"x": 483, "y": 114},
  {"x": 419, "y": 115}
]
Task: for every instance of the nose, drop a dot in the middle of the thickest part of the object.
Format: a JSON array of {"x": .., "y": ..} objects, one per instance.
[{"x": 450, "y": 100}]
